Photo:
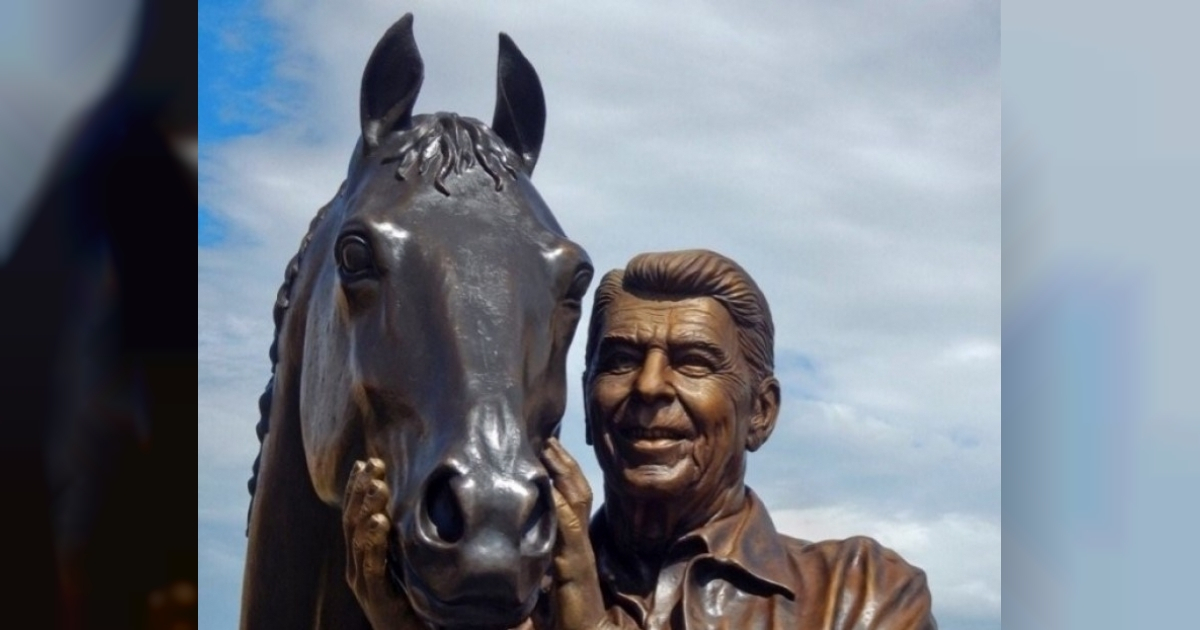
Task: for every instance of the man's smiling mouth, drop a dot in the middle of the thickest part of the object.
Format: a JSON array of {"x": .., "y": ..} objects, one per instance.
[{"x": 644, "y": 434}]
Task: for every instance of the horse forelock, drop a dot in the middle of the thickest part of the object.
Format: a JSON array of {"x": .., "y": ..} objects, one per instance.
[{"x": 447, "y": 144}]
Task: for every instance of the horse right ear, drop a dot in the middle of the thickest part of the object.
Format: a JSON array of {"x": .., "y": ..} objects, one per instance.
[
  {"x": 520, "y": 116},
  {"x": 390, "y": 84}
]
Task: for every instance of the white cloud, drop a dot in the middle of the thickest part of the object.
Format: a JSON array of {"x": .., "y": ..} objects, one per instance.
[{"x": 973, "y": 352}]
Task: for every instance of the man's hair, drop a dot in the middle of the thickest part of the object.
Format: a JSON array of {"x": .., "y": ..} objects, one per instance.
[{"x": 686, "y": 274}]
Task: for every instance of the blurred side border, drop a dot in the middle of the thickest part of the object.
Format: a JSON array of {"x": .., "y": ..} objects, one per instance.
[{"x": 1101, "y": 147}]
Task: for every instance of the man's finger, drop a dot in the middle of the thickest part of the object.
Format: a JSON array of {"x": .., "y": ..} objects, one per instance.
[
  {"x": 560, "y": 463},
  {"x": 374, "y": 546},
  {"x": 351, "y": 512},
  {"x": 552, "y": 459},
  {"x": 375, "y": 499},
  {"x": 388, "y": 604},
  {"x": 568, "y": 478},
  {"x": 352, "y": 500},
  {"x": 375, "y": 467},
  {"x": 568, "y": 517},
  {"x": 562, "y": 452}
]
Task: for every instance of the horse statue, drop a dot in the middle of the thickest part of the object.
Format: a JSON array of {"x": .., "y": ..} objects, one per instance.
[{"x": 425, "y": 321}]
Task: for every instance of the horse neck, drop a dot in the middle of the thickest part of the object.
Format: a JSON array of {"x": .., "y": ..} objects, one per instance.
[{"x": 295, "y": 557}]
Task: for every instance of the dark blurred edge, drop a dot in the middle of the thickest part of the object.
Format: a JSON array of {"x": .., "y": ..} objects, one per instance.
[{"x": 116, "y": 193}]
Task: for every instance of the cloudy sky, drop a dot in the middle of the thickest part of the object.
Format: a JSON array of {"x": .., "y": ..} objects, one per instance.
[{"x": 847, "y": 156}]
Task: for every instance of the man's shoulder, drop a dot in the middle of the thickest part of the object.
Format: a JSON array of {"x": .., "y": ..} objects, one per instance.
[
  {"x": 855, "y": 551},
  {"x": 865, "y": 575}
]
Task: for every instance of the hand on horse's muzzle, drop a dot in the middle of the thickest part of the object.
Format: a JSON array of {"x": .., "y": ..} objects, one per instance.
[
  {"x": 575, "y": 599},
  {"x": 367, "y": 526}
]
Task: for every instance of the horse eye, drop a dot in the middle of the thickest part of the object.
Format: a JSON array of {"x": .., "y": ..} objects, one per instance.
[
  {"x": 579, "y": 285},
  {"x": 354, "y": 255}
]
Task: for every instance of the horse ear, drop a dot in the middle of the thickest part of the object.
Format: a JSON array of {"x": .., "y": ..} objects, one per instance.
[
  {"x": 390, "y": 83},
  {"x": 520, "y": 117}
]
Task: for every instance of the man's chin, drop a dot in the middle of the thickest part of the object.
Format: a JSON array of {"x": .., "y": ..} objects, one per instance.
[{"x": 658, "y": 481}]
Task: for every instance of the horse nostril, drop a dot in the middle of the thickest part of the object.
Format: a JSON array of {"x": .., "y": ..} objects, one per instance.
[
  {"x": 538, "y": 526},
  {"x": 444, "y": 511}
]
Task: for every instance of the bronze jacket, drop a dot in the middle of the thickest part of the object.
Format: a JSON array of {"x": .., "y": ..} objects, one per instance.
[{"x": 740, "y": 573}]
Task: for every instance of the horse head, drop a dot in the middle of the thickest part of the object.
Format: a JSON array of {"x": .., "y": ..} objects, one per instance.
[{"x": 427, "y": 324}]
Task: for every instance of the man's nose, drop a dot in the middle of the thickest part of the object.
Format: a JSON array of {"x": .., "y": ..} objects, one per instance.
[{"x": 653, "y": 381}]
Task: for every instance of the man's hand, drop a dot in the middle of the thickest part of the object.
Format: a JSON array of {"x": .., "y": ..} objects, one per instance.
[
  {"x": 366, "y": 526},
  {"x": 576, "y": 602}
]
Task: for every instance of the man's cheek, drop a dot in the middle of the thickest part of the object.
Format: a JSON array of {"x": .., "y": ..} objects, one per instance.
[{"x": 607, "y": 395}]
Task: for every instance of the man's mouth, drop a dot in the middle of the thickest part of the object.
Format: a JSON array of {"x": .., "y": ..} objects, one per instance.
[{"x": 650, "y": 434}]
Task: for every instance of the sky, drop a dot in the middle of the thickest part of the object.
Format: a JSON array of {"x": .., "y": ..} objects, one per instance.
[{"x": 847, "y": 156}]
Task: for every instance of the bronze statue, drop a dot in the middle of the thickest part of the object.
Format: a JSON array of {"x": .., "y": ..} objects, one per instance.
[
  {"x": 424, "y": 325},
  {"x": 679, "y": 387}
]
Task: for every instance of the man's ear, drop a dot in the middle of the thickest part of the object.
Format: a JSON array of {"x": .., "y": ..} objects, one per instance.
[{"x": 766, "y": 411}]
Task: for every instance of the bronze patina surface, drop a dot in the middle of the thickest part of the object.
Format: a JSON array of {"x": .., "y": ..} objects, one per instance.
[
  {"x": 423, "y": 325},
  {"x": 679, "y": 389}
]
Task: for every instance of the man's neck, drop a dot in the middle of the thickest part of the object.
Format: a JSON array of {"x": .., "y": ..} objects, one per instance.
[{"x": 645, "y": 529}]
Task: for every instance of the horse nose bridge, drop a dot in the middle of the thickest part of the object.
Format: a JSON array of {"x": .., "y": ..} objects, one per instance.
[
  {"x": 497, "y": 436},
  {"x": 486, "y": 438},
  {"x": 494, "y": 482},
  {"x": 495, "y": 311}
]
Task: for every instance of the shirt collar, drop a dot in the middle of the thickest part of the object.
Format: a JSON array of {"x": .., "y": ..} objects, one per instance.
[{"x": 745, "y": 540}]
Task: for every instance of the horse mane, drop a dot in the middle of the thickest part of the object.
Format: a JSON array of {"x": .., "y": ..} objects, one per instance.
[
  {"x": 444, "y": 143},
  {"x": 282, "y": 301}
]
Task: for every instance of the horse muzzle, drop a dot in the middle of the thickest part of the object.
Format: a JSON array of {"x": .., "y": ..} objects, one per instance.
[{"x": 478, "y": 545}]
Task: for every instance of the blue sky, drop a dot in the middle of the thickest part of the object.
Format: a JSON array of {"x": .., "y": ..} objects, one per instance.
[
  {"x": 236, "y": 48},
  {"x": 848, "y": 157}
]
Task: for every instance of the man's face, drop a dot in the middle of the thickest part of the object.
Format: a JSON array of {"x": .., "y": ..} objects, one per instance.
[{"x": 670, "y": 398}]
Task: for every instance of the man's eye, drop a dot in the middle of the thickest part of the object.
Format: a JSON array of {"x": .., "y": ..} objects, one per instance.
[
  {"x": 619, "y": 361},
  {"x": 693, "y": 364}
]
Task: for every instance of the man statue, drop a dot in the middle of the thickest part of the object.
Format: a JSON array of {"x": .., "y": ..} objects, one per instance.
[{"x": 679, "y": 389}]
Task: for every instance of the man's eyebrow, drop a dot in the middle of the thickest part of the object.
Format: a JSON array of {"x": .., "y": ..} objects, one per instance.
[
  {"x": 700, "y": 344},
  {"x": 618, "y": 339}
]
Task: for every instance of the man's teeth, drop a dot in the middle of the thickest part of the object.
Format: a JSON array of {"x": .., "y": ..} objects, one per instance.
[{"x": 651, "y": 434}]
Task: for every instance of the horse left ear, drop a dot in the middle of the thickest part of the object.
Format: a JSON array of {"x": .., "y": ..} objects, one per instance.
[
  {"x": 390, "y": 83},
  {"x": 520, "y": 117}
]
